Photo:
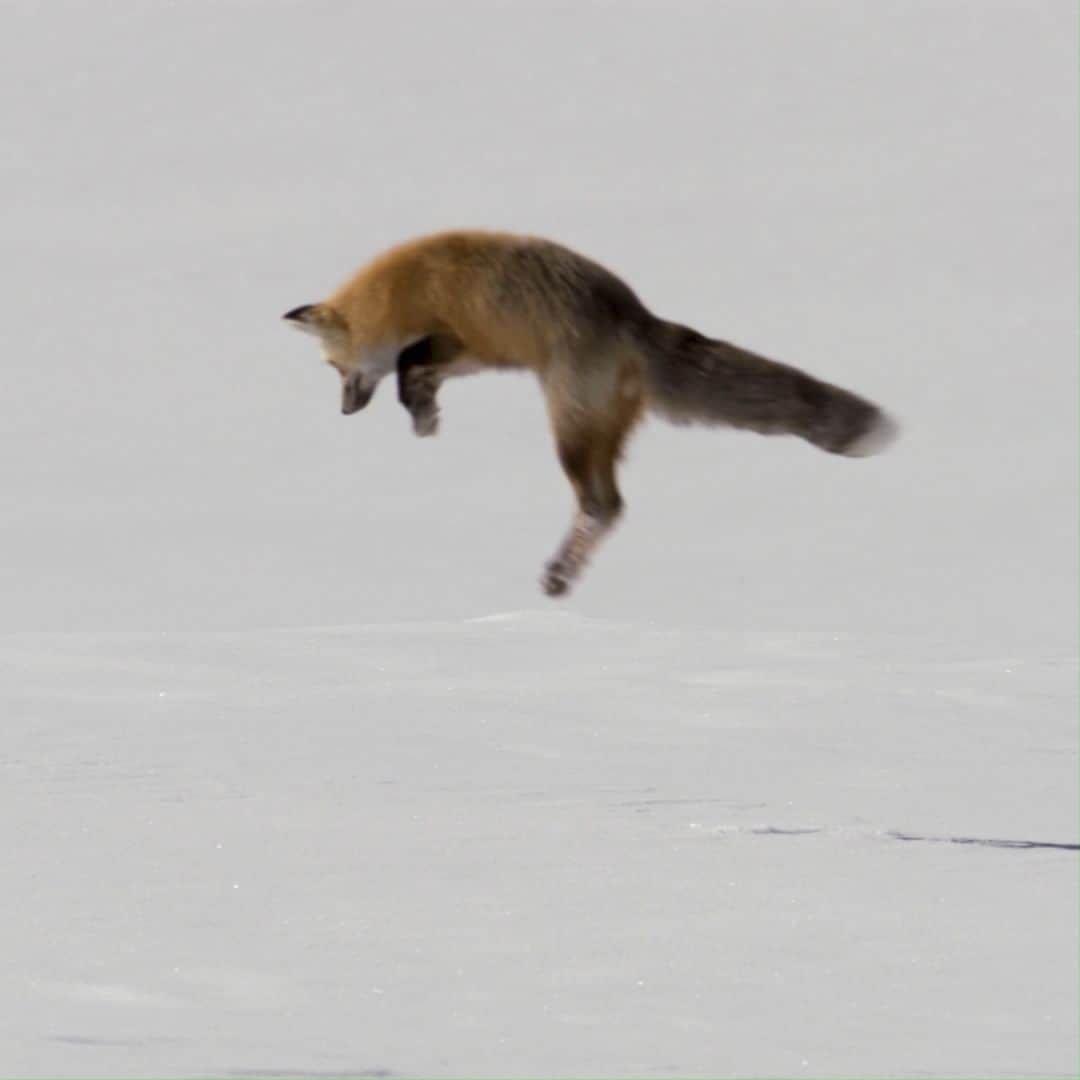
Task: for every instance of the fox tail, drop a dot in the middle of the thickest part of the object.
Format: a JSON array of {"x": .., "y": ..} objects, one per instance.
[{"x": 696, "y": 379}]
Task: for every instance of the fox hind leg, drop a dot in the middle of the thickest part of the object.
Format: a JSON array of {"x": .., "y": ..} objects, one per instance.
[
  {"x": 589, "y": 447},
  {"x": 594, "y": 517}
]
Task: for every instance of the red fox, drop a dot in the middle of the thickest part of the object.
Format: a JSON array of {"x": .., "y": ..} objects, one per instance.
[{"x": 456, "y": 302}]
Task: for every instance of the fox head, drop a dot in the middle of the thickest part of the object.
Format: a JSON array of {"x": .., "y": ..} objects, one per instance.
[{"x": 358, "y": 383}]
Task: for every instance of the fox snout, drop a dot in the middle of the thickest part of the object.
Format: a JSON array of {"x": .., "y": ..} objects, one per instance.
[{"x": 356, "y": 392}]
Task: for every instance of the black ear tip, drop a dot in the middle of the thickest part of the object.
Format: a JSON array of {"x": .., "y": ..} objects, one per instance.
[{"x": 299, "y": 314}]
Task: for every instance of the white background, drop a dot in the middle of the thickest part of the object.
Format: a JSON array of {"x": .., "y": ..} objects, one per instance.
[{"x": 302, "y": 773}]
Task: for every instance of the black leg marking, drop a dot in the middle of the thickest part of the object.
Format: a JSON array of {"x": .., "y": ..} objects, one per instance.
[
  {"x": 419, "y": 354},
  {"x": 418, "y": 375}
]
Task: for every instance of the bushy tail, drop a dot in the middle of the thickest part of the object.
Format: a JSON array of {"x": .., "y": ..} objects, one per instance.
[{"x": 695, "y": 379}]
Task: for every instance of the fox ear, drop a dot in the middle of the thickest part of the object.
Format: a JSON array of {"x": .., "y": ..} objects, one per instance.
[
  {"x": 315, "y": 319},
  {"x": 301, "y": 313}
]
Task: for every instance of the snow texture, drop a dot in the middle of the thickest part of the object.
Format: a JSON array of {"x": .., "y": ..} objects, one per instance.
[{"x": 302, "y": 775}]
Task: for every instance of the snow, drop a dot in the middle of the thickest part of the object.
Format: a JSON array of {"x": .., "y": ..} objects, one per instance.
[{"x": 304, "y": 776}]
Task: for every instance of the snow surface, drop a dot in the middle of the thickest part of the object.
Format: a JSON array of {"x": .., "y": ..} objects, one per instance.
[{"x": 303, "y": 775}]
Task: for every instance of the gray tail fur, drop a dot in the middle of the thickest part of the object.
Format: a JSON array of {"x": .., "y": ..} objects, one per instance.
[{"x": 695, "y": 379}]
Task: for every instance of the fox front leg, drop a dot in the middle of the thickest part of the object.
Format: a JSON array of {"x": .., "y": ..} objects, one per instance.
[
  {"x": 418, "y": 385},
  {"x": 422, "y": 368}
]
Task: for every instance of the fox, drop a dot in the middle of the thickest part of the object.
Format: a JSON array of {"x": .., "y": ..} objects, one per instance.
[{"x": 458, "y": 302}]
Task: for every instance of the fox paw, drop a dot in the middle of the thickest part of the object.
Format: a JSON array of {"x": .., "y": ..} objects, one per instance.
[
  {"x": 555, "y": 580},
  {"x": 425, "y": 423}
]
